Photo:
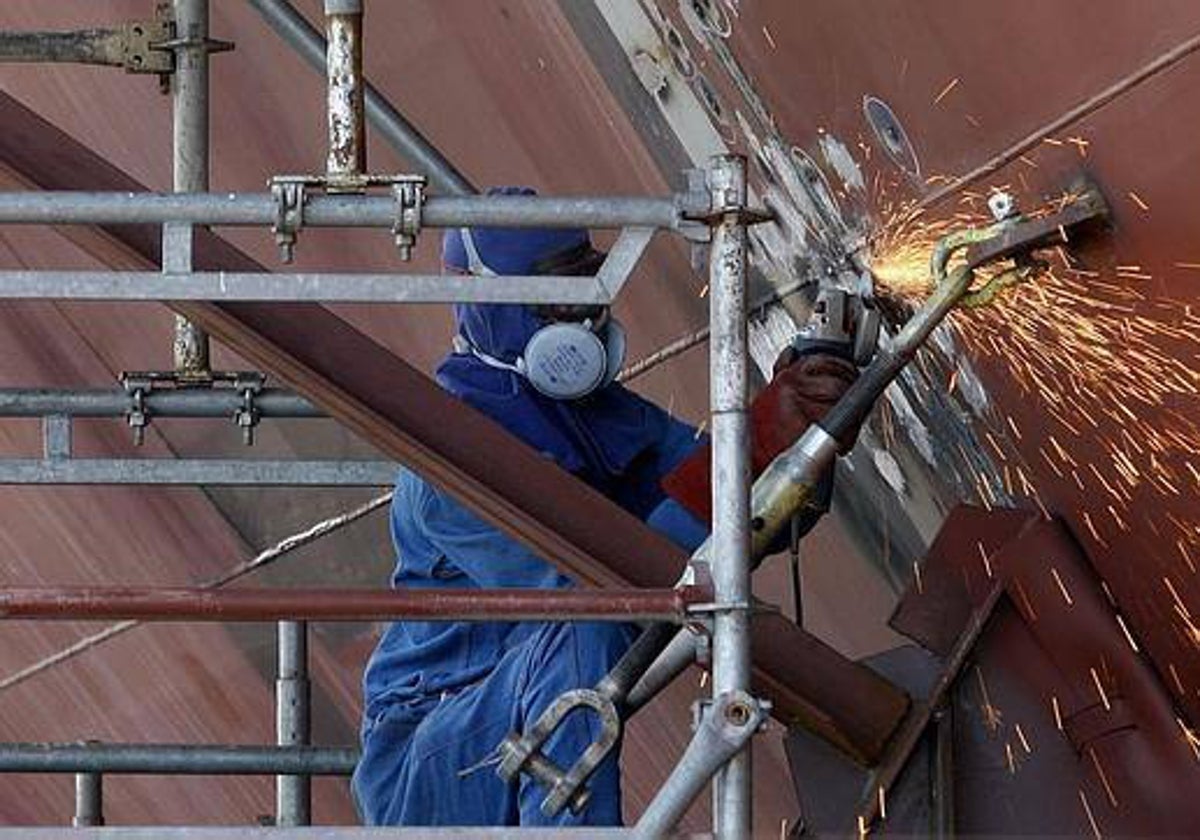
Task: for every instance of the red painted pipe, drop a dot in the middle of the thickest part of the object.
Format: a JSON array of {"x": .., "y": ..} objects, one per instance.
[{"x": 192, "y": 604}]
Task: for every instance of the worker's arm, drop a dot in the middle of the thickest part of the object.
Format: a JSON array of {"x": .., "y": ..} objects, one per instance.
[{"x": 800, "y": 394}]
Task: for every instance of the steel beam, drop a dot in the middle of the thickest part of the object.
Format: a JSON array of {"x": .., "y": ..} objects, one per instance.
[{"x": 190, "y": 471}]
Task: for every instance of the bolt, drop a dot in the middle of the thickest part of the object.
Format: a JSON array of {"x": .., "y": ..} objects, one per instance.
[
  {"x": 1002, "y": 206},
  {"x": 738, "y": 714}
]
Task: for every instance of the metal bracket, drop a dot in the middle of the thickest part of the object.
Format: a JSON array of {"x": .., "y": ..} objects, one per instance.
[
  {"x": 289, "y": 195},
  {"x": 409, "y": 193},
  {"x": 138, "y": 46},
  {"x": 291, "y": 192},
  {"x": 247, "y": 416},
  {"x": 140, "y": 383},
  {"x": 138, "y": 417}
]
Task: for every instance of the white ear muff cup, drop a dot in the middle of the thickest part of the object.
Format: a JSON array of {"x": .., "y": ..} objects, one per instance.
[
  {"x": 565, "y": 361},
  {"x": 615, "y": 342}
]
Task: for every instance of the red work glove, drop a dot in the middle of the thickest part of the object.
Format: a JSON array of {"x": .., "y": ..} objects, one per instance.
[{"x": 802, "y": 390}]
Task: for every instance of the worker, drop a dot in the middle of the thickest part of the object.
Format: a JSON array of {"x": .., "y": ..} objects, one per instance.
[{"x": 439, "y": 697}]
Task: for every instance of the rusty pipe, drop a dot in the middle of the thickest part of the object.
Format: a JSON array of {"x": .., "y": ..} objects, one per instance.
[
  {"x": 195, "y": 604},
  {"x": 347, "y": 158}
]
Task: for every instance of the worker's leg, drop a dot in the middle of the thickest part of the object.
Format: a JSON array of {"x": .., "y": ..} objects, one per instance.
[
  {"x": 435, "y": 769},
  {"x": 562, "y": 657}
]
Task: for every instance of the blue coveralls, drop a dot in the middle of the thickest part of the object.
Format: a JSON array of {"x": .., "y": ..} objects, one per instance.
[{"x": 439, "y": 697}]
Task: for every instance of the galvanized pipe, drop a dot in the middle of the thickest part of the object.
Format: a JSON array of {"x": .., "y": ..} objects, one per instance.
[
  {"x": 730, "y": 547},
  {"x": 196, "y": 604},
  {"x": 723, "y": 732},
  {"x": 187, "y": 472},
  {"x": 293, "y": 794},
  {"x": 258, "y": 209},
  {"x": 190, "y": 136},
  {"x": 347, "y": 157},
  {"x": 315, "y": 287},
  {"x": 89, "y": 800},
  {"x": 176, "y": 759},
  {"x": 116, "y": 402},
  {"x": 399, "y": 133}
]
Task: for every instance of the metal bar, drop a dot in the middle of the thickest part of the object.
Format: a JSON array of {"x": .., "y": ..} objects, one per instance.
[
  {"x": 942, "y": 818},
  {"x": 315, "y": 287},
  {"x": 315, "y": 604},
  {"x": 89, "y": 800},
  {"x": 258, "y": 209},
  {"x": 344, "y": 90},
  {"x": 117, "y": 402},
  {"x": 56, "y": 437},
  {"x": 399, "y": 133},
  {"x": 187, "y": 471},
  {"x": 176, "y": 759},
  {"x": 293, "y": 794},
  {"x": 730, "y": 547},
  {"x": 189, "y": 136},
  {"x": 623, "y": 258},
  {"x": 324, "y": 833},
  {"x": 82, "y": 46}
]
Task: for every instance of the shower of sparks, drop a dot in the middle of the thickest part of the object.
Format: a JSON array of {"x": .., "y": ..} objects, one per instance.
[
  {"x": 1087, "y": 809},
  {"x": 1100, "y": 689},
  {"x": 1061, "y": 586},
  {"x": 1024, "y": 741},
  {"x": 1128, "y": 635},
  {"x": 1190, "y": 737},
  {"x": 991, "y": 715},
  {"x": 1108, "y": 355},
  {"x": 1108, "y": 789},
  {"x": 946, "y": 90}
]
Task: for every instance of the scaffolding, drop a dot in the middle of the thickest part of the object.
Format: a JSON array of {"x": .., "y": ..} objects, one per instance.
[{"x": 714, "y": 595}]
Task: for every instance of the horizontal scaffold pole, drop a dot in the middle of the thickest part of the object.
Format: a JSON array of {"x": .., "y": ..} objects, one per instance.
[
  {"x": 311, "y": 287},
  {"x": 194, "y": 604},
  {"x": 176, "y": 759},
  {"x": 260, "y": 209}
]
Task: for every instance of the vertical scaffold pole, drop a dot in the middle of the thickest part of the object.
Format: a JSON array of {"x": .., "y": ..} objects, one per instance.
[
  {"x": 189, "y": 104},
  {"x": 345, "y": 86},
  {"x": 293, "y": 798},
  {"x": 89, "y": 800},
  {"x": 731, "y": 474}
]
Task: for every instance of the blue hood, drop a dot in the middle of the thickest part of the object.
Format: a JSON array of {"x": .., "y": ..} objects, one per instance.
[{"x": 597, "y": 437}]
